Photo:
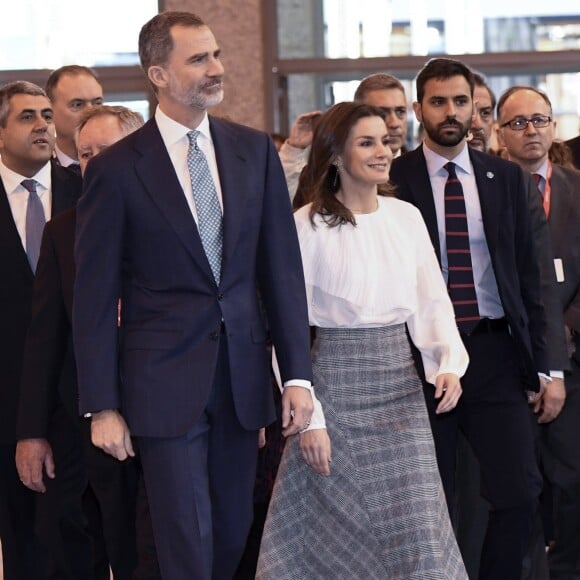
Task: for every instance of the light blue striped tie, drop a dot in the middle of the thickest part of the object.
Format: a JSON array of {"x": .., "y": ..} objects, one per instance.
[
  {"x": 35, "y": 221},
  {"x": 207, "y": 206}
]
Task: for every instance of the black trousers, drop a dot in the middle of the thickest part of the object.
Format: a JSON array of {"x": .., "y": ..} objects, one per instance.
[
  {"x": 22, "y": 556},
  {"x": 493, "y": 414}
]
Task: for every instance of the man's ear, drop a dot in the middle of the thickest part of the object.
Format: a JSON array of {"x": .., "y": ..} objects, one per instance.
[
  {"x": 157, "y": 75},
  {"x": 418, "y": 112}
]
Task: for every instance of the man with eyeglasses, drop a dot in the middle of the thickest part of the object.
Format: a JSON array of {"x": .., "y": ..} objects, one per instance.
[{"x": 527, "y": 130}]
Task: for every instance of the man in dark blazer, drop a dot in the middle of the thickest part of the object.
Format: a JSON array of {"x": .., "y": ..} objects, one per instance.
[
  {"x": 50, "y": 431},
  {"x": 507, "y": 346},
  {"x": 26, "y": 142},
  {"x": 574, "y": 145},
  {"x": 188, "y": 371},
  {"x": 527, "y": 130}
]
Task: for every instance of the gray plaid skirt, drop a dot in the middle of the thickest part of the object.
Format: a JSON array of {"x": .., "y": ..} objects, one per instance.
[{"x": 381, "y": 514}]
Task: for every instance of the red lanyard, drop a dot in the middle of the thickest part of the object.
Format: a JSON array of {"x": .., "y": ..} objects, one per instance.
[{"x": 548, "y": 190}]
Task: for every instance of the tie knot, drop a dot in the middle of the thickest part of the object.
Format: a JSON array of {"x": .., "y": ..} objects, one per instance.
[
  {"x": 192, "y": 136},
  {"x": 450, "y": 166},
  {"x": 537, "y": 178},
  {"x": 29, "y": 185}
]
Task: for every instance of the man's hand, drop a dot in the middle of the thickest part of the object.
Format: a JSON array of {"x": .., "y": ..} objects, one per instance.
[
  {"x": 33, "y": 456},
  {"x": 302, "y": 130},
  {"x": 549, "y": 405},
  {"x": 316, "y": 450},
  {"x": 297, "y": 407},
  {"x": 262, "y": 438},
  {"x": 110, "y": 433},
  {"x": 448, "y": 389}
]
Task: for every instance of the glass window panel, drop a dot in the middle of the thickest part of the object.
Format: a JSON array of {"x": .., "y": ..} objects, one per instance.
[
  {"x": 368, "y": 28},
  {"x": 50, "y": 33}
]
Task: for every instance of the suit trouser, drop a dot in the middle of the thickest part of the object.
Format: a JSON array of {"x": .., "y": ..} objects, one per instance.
[
  {"x": 494, "y": 416},
  {"x": 21, "y": 553},
  {"x": 559, "y": 446},
  {"x": 66, "y": 528},
  {"x": 200, "y": 488}
]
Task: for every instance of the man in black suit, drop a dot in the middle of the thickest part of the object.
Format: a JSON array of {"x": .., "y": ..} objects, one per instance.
[
  {"x": 527, "y": 130},
  {"x": 72, "y": 90},
  {"x": 49, "y": 430},
  {"x": 26, "y": 142},
  {"x": 187, "y": 219},
  {"x": 501, "y": 315}
]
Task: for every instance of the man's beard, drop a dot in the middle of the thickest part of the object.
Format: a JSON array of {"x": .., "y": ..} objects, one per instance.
[{"x": 437, "y": 133}]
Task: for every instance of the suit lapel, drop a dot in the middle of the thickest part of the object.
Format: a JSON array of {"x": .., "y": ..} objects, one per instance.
[
  {"x": 66, "y": 189},
  {"x": 420, "y": 184},
  {"x": 10, "y": 241},
  {"x": 559, "y": 216},
  {"x": 232, "y": 167},
  {"x": 158, "y": 177},
  {"x": 488, "y": 192}
]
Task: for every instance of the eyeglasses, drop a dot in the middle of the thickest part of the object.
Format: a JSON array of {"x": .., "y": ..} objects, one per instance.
[{"x": 521, "y": 123}]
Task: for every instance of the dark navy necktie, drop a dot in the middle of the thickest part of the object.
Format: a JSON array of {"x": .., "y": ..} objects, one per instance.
[{"x": 461, "y": 284}]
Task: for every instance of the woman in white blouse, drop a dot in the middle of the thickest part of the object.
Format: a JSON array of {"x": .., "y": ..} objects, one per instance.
[{"x": 372, "y": 505}]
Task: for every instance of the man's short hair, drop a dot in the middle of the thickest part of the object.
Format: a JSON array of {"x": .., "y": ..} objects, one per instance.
[
  {"x": 129, "y": 120},
  {"x": 155, "y": 41},
  {"x": 442, "y": 69},
  {"x": 16, "y": 88},
  {"x": 507, "y": 94},
  {"x": 377, "y": 82},
  {"x": 479, "y": 81},
  {"x": 70, "y": 69}
]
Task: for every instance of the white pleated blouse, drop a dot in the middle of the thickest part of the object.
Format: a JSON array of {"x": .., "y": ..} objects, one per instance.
[{"x": 382, "y": 271}]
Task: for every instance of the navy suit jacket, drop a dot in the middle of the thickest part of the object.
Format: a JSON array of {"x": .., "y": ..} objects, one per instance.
[
  {"x": 136, "y": 238},
  {"x": 16, "y": 281},
  {"x": 506, "y": 219}
]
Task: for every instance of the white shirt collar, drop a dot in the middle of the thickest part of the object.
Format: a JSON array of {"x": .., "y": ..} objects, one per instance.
[
  {"x": 435, "y": 162},
  {"x": 12, "y": 180},
  {"x": 172, "y": 131}
]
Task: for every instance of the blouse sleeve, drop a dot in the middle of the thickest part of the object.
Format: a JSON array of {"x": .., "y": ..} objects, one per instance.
[{"x": 432, "y": 326}]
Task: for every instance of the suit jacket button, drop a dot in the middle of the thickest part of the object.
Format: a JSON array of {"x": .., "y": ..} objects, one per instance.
[
  {"x": 213, "y": 335},
  {"x": 220, "y": 296}
]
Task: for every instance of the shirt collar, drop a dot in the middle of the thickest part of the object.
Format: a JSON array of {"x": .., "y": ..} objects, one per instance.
[
  {"x": 436, "y": 163},
  {"x": 12, "y": 180},
  {"x": 543, "y": 170},
  {"x": 63, "y": 159},
  {"x": 172, "y": 131}
]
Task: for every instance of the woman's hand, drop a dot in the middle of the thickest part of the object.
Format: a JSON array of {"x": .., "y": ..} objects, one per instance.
[
  {"x": 316, "y": 450},
  {"x": 448, "y": 389}
]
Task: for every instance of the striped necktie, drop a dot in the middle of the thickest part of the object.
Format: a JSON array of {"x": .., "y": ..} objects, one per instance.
[{"x": 461, "y": 284}]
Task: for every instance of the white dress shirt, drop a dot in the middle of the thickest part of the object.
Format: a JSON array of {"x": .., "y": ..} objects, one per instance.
[
  {"x": 18, "y": 195},
  {"x": 486, "y": 289}
]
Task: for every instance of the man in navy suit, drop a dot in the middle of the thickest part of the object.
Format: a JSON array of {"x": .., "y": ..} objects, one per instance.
[
  {"x": 26, "y": 142},
  {"x": 506, "y": 340},
  {"x": 187, "y": 373},
  {"x": 527, "y": 130}
]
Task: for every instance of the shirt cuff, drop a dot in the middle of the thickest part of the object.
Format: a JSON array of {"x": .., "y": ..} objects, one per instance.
[
  {"x": 299, "y": 383},
  {"x": 317, "y": 421},
  {"x": 557, "y": 374}
]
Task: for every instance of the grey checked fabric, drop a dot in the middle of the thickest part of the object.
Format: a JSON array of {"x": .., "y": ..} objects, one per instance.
[
  {"x": 35, "y": 221},
  {"x": 382, "y": 513},
  {"x": 209, "y": 214}
]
